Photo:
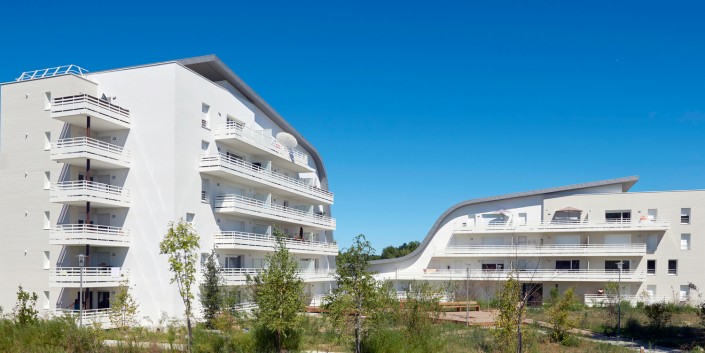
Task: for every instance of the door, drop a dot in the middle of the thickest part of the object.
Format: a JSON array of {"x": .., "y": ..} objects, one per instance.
[
  {"x": 103, "y": 300},
  {"x": 104, "y": 179},
  {"x": 522, "y": 219},
  {"x": 103, "y": 219},
  {"x": 232, "y": 262},
  {"x": 684, "y": 292},
  {"x": 567, "y": 239},
  {"x": 651, "y": 243},
  {"x": 534, "y": 291},
  {"x": 653, "y": 214},
  {"x": 618, "y": 239},
  {"x": 100, "y": 259},
  {"x": 521, "y": 240}
]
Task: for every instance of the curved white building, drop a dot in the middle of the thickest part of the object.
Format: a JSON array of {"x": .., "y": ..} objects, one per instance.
[
  {"x": 566, "y": 236},
  {"x": 97, "y": 164}
]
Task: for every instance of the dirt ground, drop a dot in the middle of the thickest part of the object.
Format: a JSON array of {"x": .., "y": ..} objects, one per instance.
[{"x": 477, "y": 318}]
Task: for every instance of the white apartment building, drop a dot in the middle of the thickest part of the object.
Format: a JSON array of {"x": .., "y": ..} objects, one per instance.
[
  {"x": 98, "y": 164},
  {"x": 567, "y": 236}
]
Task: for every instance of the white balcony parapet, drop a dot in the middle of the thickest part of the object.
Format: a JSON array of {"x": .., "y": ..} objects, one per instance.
[
  {"x": 238, "y": 276},
  {"x": 70, "y": 277},
  {"x": 82, "y": 234},
  {"x": 260, "y": 139},
  {"x": 544, "y": 250},
  {"x": 86, "y": 147},
  {"x": 603, "y": 299},
  {"x": 256, "y": 173},
  {"x": 582, "y": 275},
  {"x": 561, "y": 226},
  {"x": 84, "y": 104},
  {"x": 241, "y": 204},
  {"x": 91, "y": 317},
  {"x": 84, "y": 190},
  {"x": 243, "y": 240}
]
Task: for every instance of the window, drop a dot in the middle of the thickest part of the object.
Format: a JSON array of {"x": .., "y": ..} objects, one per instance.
[
  {"x": 618, "y": 216},
  {"x": 47, "y": 220},
  {"x": 653, "y": 214},
  {"x": 46, "y": 259},
  {"x": 650, "y": 267},
  {"x": 613, "y": 265},
  {"x": 205, "y": 115},
  {"x": 47, "y": 100},
  {"x": 493, "y": 267},
  {"x": 45, "y": 302},
  {"x": 685, "y": 215},
  {"x": 651, "y": 290},
  {"x": 571, "y": 265},
  {"x": 189, "y": 217},
  {"x": 47, "y": 140},
  {"x": 684, "y": 292},
  {"x": 673, "y": 267},
  {"x": 685, "y": 241},
  {"x": 205, "y": 186},
  {"x": 204, "y": 146},
  {"x": 47, "y": 180}
]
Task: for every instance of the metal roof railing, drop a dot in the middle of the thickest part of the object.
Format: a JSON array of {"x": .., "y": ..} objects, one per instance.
[{"x": 53, "y": 71}]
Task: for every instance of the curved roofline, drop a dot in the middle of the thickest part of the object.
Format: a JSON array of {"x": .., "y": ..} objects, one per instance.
[
  {"x": 627, "y": 183},
  {"x": 215, "y": 63}
]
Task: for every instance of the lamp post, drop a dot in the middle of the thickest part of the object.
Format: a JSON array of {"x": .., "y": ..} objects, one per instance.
[
  {"x": 81, "y": 263},
  {"x": 620, "y": 264}
]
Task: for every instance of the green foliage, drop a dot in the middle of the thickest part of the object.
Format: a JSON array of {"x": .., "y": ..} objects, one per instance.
[
  {"x": 181, "y": 244},
  {"x": 357, "y": 292},
  {"x": 278, "y": 291},
  {"x": 701, "y": 313},
  {"x": 211, "y": 290},
  {"x": 124, "y": 307},
  {"x": 658, "y": 314},
  {"x": 392, "y": 252},
  {"x": 511, "y": 312},
  {"x": 57, "y": 335},
  {"x": 25, "y": 313},
  {"x": 558, "y": 315},
  {"x": 227, "y": 341}
]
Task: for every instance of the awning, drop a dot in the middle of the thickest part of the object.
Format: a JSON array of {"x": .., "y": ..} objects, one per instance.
[{"x": 569, "y": 209}]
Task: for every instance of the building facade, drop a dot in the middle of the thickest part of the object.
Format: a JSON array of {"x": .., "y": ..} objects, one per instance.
[
  {"x": 572, "y": 236},
  {"x": 98, "y": 164}
]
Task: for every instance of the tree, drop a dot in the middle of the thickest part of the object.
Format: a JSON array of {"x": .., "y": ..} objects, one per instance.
[
  {"x": 511, "y": 312},
  {"x": 24, "y": 309},
  {"x": 278, "y": 292},
  {"x": 181, "y": 244},
  {"x": 558, "y": 314},
  {"x": 357, "y": 291},
  {"x": 211, "y": 290},
  {"x": 123, "y": 309},
  {"x": 392, "y": 252}
]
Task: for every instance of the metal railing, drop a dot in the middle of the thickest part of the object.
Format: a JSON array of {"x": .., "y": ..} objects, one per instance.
[
  {"x": 254, "y": 172},
  {"x": 67, "y": 148},
  {"x": 599, "y": 275},
  {"x": 604, "y": 299},
  {"x": 563, "y": 225},
  {"x": 92, "y": 276},
  {"x": 77, "y": 103},
  {"x": 90, "y": 316},
  {"x": 84, "y": 189},
  {"x": 543, "y": 250},
  {"x": 235, "y": 239},
  {"x": 51, "y": 72},
  {"x": 237, "y": 202},
  {"x": 239, "y": 275},
  {"x": 261, "y": 140},
  {"x": 67, "y": 234}
]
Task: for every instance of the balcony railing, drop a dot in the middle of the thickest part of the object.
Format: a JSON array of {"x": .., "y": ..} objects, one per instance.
[
  {"x": 585, "y": 275},
  {"x": 266, "y": 177},
  {"x": 82, "y": 234},
  {"x": 544, "y": 250},
  {"x": 553, "y": 226},
  {"x": 260, "y": 139},
  {"x": 70, "y": 277},
  {"x": 84, "y": 104},
  {"x": 84, "y": 190},
  {"x": 86, "y": 147},
  {"x": 91, "y": 317},
  {"x": 240, "y": 204},
  {"x": 603, "y": 299},
  {"x": 239, "y": 240},
  {"x": 238, "y": 276}
]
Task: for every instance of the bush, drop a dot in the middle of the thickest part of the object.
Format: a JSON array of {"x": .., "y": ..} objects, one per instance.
[
  {"x": 658, "y": 314},
  {"x": 264, "y": 339}
]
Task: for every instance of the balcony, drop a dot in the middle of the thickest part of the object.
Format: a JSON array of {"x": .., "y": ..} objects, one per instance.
[
  {"x": 253, "y": 241},
  {"x": 77, "y": 193},
  {"x": 93, "y": 277},
  {"x": 563, "y": 226},
  {"x": 227, "y": 167},
  {"x": 77, "y": 150},
  {"x": 89, "y": 234},
  {"x": 542, "y": 250},
  {"x": 238, "y": 276},
  {"x": 539, "y": 275},
  {"x": 236, "y": 204},
  {"x": 91, "y": 317},
  {"x": 603, "y": 299},
  {"x": 104, "y": 115},
  {"x": 256, "y": 142}
]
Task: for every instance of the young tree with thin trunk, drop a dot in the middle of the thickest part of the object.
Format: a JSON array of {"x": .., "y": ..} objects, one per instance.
[
  {"x": 181, "y": 244},
  {"x": 211, "y": 294},
  {"x": 124, "y": 307},
  {"x": 278, "y": 292},
  {"x": 357, "y": 292}
]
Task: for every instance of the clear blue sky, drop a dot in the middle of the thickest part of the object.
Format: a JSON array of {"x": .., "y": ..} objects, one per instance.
[{"x": 418, "y": 105}]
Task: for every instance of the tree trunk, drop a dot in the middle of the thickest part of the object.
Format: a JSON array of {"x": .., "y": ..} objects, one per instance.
[
  {"x": 190, "y": 332},
  {"x": 357, "y": 333},
  {"x": 278, "y": 341}
]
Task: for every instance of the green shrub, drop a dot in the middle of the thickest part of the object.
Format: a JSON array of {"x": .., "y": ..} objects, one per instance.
[{"x": 658, "y": 314}]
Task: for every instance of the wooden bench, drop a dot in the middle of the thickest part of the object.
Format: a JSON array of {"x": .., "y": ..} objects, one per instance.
[{"x": 460, "y": 306}]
